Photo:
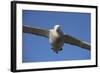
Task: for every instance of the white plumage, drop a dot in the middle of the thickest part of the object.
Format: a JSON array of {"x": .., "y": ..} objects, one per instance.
[{"x": 56, "y": 38}]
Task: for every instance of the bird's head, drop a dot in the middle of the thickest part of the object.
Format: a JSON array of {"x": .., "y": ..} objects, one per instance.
[{"x": 57, "y": 27}]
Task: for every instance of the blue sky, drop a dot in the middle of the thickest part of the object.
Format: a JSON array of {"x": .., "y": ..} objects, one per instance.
[{"x": 37, "y": 48}]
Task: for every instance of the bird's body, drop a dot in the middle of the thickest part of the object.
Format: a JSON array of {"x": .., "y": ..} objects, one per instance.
[{"x": 56, "y": 39}]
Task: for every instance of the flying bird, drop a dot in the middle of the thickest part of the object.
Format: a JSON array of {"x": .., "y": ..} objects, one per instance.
[{"x": 57, "y": 38}]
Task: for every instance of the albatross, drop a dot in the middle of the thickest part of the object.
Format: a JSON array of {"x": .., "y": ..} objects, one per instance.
[{"x": 57, "y": 38}]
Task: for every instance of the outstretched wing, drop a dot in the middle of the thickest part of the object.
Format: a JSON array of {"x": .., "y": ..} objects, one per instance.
[
  {"x": 73, "y": 41},
  {"x": 36, "y": 31}
]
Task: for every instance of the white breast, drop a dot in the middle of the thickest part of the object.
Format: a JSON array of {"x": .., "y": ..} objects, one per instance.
[{"x": 53, "y": 35}]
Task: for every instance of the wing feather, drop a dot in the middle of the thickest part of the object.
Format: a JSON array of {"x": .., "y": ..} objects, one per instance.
[
  {"x": 73, "y": 41},
  {"x": 36, "y": 31}
]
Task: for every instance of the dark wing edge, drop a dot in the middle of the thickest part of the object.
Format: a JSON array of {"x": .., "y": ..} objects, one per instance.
[
  {"x": 36, "y": 31},
  {"x": 73, "y": 41}
]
